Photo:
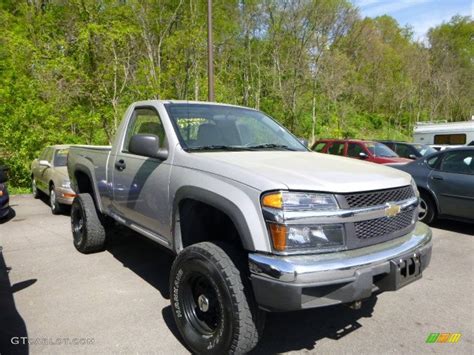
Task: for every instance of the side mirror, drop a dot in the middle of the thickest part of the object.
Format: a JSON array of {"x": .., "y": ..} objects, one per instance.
[
  {"x": 44, "y": 163},
  {"x": 147, "y": 145},
  {"x": 363, "y": 155},
  {"x": 413, "y": 156},
  {"x": 304, "y": 142}
]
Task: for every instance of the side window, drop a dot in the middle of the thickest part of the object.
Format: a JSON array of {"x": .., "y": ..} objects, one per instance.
[
  {"x": 144, "y": 121},
  {"x": 403, "y": 150},
  {"x": 459, "y": 162},
  {"x": 49, "y": 155},
  {"x": 453, "y": 139},
  {"x": 354, "y": 150},
  {"x": 336, "y": 149},
  {"x": 319, "y": 147},
  {"x": 60, "y": 157},
  {"x": 432, "y": 161}
]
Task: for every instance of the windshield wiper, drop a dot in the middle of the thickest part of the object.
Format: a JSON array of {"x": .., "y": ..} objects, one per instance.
[
  {"x": 271, "y": 146},
  {"x": 217, "y": 147}
]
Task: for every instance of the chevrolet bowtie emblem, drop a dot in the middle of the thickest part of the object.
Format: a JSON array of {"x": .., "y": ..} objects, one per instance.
[{"x": 392, "y": 210}]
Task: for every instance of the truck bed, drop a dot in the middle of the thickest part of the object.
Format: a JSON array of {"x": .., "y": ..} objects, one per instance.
[{"x": 91, "y": 160}]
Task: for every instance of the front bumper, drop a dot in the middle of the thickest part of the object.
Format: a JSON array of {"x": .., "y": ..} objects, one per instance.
[
  {"x": 65, "y": 196},
  {"x": 285, "y": 283}
]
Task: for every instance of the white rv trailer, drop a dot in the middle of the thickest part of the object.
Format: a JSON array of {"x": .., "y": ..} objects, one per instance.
[{"x": 447, "y": 133}]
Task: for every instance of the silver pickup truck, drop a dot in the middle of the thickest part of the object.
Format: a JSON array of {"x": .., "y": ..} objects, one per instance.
[{"x": 258, "y": 222}]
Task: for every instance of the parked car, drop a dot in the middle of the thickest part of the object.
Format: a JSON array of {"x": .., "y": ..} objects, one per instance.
[
  {"x": 446, "y": 183},
  {"x": 411, "y": 151},
  {"x": 4, "y": 198},
  {"x": 256, "y": 220},
  {"x": 49, "y": 176},
  {"x": 374, "y": 152}
]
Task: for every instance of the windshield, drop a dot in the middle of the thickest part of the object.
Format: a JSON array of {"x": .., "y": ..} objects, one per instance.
[
  {"x": 380, "y": 150},
  {"x": 60, "y": 157},
  {"x": 203, "y": 127},
  {"x": 424, "y": 149}
]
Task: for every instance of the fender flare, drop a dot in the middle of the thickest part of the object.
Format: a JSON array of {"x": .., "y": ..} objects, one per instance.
[
  {"x": 217, "y": 201},
  {"x": 81, "y": 168}
]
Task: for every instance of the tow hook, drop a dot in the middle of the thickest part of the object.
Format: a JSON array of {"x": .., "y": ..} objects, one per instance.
[{"x": 355, "y": 305}]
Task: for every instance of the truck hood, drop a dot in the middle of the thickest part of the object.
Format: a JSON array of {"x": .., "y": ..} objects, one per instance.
[{"x": 299, "y": 171}]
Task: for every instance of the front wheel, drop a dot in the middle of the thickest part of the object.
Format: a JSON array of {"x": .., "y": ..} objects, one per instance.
[
  {"x": 34, "y": 188},
  {"x": 56, "y": 207},
  {"x": 427, "y": 209},
  {"x": 211, "y": 301}
]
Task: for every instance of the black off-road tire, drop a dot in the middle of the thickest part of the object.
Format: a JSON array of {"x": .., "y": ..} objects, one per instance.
[
  {"x": 232, "y": 323},
  {"x": 87, "y": 230},
  {"x": 427, "y": 203}
]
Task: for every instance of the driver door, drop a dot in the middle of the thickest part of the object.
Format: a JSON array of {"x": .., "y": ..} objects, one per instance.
[
  {"x": 42, "y": 172},
  {"x": 140, "y": 184},
  {"x": 453, "y": 184}
]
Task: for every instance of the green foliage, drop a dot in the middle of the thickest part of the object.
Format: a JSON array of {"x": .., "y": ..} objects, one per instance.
[
  {"x": 18, "y": 190},
  {"x": 69, "y": 69}
]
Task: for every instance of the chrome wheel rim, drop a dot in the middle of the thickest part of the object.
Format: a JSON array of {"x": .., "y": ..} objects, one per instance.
[
  {"x": 33, "y": 186},
  {"x": 422, "y": 210},
  {"x": 52, "y": 198}
]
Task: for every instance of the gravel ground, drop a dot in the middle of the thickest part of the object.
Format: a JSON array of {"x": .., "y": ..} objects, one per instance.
[{"x": 117, "y": 301}]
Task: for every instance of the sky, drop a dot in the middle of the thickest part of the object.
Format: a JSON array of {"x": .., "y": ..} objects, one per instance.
[{"x": 421, "y": 15}]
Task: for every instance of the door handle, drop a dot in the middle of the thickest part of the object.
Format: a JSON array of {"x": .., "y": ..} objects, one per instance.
[
  {"x": 120, "y": 165},
  {"x": 437, "y": 177}
]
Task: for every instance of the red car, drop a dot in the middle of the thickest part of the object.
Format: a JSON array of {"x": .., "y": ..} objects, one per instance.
[{"x": 374, "y": 152}]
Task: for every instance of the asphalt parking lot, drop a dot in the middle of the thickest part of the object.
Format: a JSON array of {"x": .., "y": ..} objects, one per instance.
[{"x": 118, "y": 300}]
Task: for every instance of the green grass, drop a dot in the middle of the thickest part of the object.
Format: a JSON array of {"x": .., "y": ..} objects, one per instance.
[{"x": 12, "y": 190}]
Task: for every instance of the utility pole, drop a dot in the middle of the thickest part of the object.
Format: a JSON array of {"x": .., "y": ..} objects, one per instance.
[{"x": 210, "y": 60}]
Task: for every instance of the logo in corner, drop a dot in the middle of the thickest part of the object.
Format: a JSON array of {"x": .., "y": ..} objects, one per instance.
[{"x": 392, "y": 210}]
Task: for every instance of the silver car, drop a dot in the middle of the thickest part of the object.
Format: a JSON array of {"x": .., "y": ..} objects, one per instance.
[{"x": 49, "y": 176}]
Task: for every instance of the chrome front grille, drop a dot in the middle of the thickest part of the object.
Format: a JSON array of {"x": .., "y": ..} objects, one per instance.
[
  {"x": 379, "y": 229},
  {"x": 383, "y": 227},
  {"x": 381, "y": 197}
]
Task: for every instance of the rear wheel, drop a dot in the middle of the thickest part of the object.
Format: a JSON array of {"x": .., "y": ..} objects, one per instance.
[
  {"x": 427, "y": 208},
  {"x": 56, "y": 207},
  {"x": 211, "y": 300},
  {"x": 87, "y": 229}
]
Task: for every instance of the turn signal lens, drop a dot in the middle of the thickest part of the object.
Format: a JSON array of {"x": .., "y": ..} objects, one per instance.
[
  {"x": 278, "y": 233},
  {"x": 273, "y": 200}
]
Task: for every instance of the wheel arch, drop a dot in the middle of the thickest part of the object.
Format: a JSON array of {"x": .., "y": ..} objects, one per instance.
[
  {"x": 431, "y": 194},
  {"x": 213, "y": 200},
  {"x": 83, "y": 182}
]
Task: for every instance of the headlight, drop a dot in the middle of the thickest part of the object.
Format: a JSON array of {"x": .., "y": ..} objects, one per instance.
[
  {"x": 300, "y": 201},
  {"x": 302, "y": 238},
  {"x": 415, "y": 188},
  {"x": 66, "y": 184}
]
